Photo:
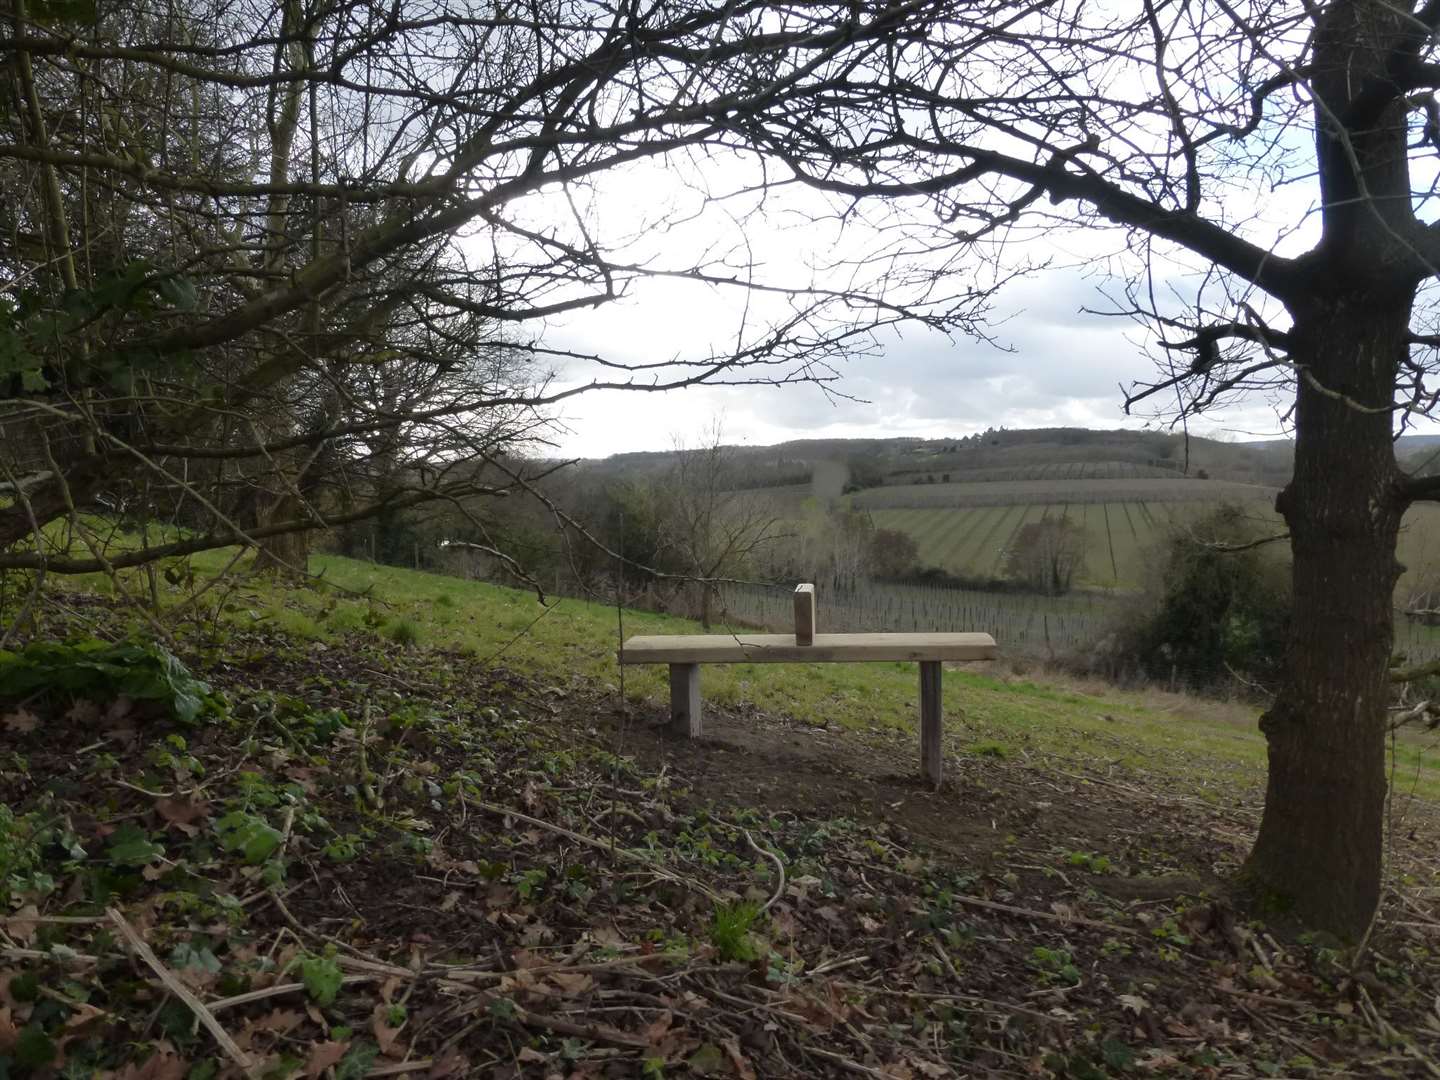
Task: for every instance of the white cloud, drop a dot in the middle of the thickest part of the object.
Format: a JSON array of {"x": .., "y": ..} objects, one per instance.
[{"x": 1056, "y": 363}]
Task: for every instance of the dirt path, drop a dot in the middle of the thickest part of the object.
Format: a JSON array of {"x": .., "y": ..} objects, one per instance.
[{"x": 989, "y": 813}]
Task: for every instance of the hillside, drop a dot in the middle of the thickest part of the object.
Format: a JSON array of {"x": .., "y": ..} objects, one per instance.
[
  {"x": 1003, "y": 455},
  {"x": 964, "y": 500},
  {"x": 368, "y": 858}
]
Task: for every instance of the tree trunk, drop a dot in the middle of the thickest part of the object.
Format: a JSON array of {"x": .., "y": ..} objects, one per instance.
[
  {"x": 285, "y": 553},
  {"x": 1318, "y": 853}
]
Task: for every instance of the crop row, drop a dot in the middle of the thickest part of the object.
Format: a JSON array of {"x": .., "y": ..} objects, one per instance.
[
  {"x": 1025, "y": 492},
  {"x": 1054, "y": 470},
  {"x": 973, "y": 542}
]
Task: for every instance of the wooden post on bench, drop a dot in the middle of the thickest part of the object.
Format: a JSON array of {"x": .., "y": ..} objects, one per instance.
[
  {"x": 931, "y": 754},
  {"x": 804, "y": 614},
  {"x": 685, "y": 700}
]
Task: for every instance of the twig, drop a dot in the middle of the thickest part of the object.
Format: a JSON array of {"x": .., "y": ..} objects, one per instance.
[
  {"x": 400, "y": 1067},
  {"x": 591, "y": 1032},
  {"x": 600, "y": 845},
  {"x": 176, "y": 987},
  {"x": 779, "y": 869},
  {"x": 41, "y": 954},
  {"x": 66, "y": 920},
  {"x": 844, "y": 1062},
  {"x": 970, "y": 999},
  {"x": 275, "y": 991},
  {"x": 1030, "y": 913},
  {"x": 1266, "y": 999},
  {"x": 836, "y": 965}
]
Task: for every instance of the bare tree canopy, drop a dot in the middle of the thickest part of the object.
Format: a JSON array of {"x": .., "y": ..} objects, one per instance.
[
  {"x": 272, "y": 266},
  {"x": 220, "y": 216},
  {"x": 1270, "y": 169}
]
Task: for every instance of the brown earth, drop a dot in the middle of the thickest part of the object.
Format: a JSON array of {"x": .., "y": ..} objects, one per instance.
[{"x": 537, "y": 883}]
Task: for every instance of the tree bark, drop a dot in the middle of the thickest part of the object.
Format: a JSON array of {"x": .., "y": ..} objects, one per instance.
[
  {"x": 286, "y": 554},
  {"x": 1318, "y": 853}
]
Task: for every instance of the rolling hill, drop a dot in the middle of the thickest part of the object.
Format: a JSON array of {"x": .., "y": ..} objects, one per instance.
[{"x": 963, "y": 499}]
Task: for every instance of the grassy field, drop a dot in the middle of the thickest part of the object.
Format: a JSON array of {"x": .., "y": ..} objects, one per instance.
[
  {"x": 972, "y": 541},
  {"x": 1054, "y": 470},
  {"x": 1208, "y": 749},
  {"x": 1121, "y": 533},
  {"x": 1056, "y": 489},
  {"x": 369, "y": 808}
]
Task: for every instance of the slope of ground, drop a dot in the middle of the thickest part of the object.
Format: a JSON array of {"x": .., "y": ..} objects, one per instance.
[
  {"x": 379, "y": 860},
  {"x": 965, "y": 529}
]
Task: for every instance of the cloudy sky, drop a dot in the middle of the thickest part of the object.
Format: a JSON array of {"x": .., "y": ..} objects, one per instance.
[{"x": 1051, "y": 364}]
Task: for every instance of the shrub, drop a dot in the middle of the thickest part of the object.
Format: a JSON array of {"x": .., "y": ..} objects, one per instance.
[
  {"x": 403, "y": 632},
  {"x": 1047, "y": 555},
  {"x": 1211, "y": 612},
  {"x": 893, "y": 554},
  {"x": 100, "y": 671},
  {"x": 730, "y": 931}
]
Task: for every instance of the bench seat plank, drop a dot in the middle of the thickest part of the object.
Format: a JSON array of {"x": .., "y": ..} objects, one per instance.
[{"x": 781, "y": 648}]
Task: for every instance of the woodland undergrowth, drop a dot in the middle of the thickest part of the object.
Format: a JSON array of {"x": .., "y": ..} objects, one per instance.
[{"x": 280, "y": 858}]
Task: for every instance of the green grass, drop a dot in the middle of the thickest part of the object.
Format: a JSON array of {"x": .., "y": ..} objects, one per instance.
[{"x": 1213, "y": 751}]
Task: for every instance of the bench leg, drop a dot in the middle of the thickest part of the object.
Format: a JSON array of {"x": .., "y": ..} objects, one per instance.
[
  {"x": 930, "y": 721},
  {"x": 685, "y": 699}
]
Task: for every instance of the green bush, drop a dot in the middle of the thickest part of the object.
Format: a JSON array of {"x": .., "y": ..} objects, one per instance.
[
  {"x": 403, "y": 632},
  {"x": 1212, "y": 613},
  {"x": 19, "y": 854}
]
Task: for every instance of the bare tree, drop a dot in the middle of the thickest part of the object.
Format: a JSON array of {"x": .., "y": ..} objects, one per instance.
[
  {"x": 269, "y": 267},
  {"x": 183, "y": 226},
  {"x": 709, "y": 528},
  {"x": 1047, "y": 554},
  {"x": 1270, "y": 168}
]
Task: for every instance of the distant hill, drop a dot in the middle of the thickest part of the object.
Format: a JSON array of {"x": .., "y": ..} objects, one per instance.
[
  {"x": 998, "y": 455},
  {"x": 964, "y": 500}
]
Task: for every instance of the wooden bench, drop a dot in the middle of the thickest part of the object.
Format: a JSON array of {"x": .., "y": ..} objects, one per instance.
[{"x": 686, "y": 652}]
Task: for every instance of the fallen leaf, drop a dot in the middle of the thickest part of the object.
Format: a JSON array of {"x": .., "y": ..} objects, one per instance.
[
  {"x": 572, "y": 982},
  {"x": 738, "y": 1061},
  {"x": 118, "y": 711},
  {"x": 21, "y": 721},
  {"x": 452, "y": 1063},
  {"x": 659, "y": 1026},
  {"x": 706, "y": 1061},
  {"x": 325, "y": 1054},
  {"x": 932, "y": 1068},
  {"x": 82, "y": 1014},
  {"x": 530, "y": 796},
  {"x": 182, "y": 811},
  {"x": 386, "y": 1036},
  {"x": 276, "y": 1022},
  {"x": 1133, "y": 1003},
  {"x": 157, "y": 1067},
  {"x": 20, "y": 927},
  {"x": 83, "y": 712},
  {"x": 531, "y": 1055}
]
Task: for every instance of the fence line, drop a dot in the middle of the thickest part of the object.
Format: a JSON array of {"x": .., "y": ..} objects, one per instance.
[{"x": 1023, "y": 624}]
